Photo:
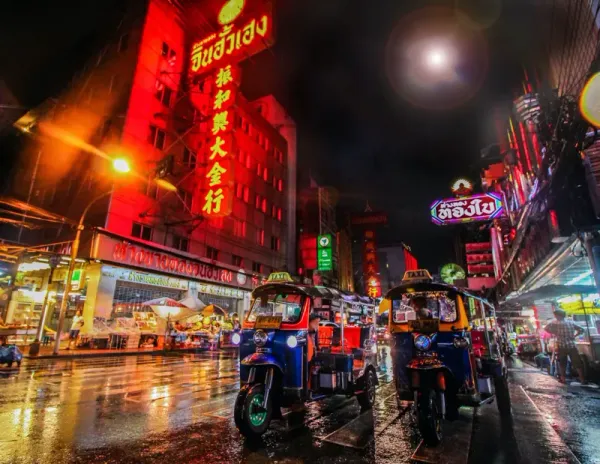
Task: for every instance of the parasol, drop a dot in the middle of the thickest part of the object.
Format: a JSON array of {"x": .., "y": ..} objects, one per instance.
[
  {"x": 169, "y": 308},
  {"x": 215, "y": 310}
]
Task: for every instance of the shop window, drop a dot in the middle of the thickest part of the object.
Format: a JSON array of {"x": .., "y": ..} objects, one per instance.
[
  {"x": 275, "y": 243},
  {"x": 123, "y": 43},
  {"x": 212, "y": 253},
  {"x": 256, "y": 267},
  {"x": 164, "y": 95},
  {"x": 189, "y": 158},
  {"x": 157, "y": 137},
  {"x": 180, "y": 243},
  {"x": 239, "y": 228},
  {"x": 141, "y": 231},
  {"x": 260, "y": 236},
  {"x": 237, "y": 260}
]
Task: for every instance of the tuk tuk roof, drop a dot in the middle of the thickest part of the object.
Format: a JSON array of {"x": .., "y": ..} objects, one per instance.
[
  {"x": 308, "y": 290},
  {"x": 427, "y": 286}
]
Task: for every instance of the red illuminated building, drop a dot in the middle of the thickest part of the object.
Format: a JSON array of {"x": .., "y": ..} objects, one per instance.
[{"x": 164, "y": 92}]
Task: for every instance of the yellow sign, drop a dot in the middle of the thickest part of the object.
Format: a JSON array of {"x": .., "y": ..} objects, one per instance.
[
  {"x": 268, "y": 322},
  {"x": 419, "y": 274},
  {"x": 280, "y": 277}
]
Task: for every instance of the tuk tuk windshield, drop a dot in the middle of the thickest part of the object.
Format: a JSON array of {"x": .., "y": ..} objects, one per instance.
[
  {"x": 287, "y": 305},
  {"x": 424, "y": 305}
]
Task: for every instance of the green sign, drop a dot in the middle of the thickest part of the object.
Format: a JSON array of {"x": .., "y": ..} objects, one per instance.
[{"x": 324, "y": 253}]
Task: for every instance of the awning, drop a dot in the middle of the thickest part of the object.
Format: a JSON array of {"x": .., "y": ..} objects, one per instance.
[{"x": 550, "y": 292}]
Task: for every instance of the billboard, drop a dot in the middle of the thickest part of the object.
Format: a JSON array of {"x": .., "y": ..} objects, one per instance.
[{"x": 474, "y": 208}]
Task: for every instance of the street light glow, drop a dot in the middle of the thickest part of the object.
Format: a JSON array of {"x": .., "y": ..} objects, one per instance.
[
  {"x": 121, "y": 165},
  {"x": 437, "y": 59}
]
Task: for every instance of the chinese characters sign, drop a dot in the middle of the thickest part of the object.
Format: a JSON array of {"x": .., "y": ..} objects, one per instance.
[
  {"x": 481, "y": 207},
  {"x": 371, "y": 265},
  {"x": 246, "y": 29},
  {"x": 217, "y": 194}
]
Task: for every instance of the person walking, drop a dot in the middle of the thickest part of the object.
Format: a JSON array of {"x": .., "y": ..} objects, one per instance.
[{"x": 565, "y": 331}]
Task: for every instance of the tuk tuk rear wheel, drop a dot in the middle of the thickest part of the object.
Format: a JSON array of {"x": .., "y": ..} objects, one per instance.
[
  {"x": 366, "y": 399},
  {"x": 502, "y": 394},
  {"x": 251, "y": 418},
  {"x": 429, "y": 418}
]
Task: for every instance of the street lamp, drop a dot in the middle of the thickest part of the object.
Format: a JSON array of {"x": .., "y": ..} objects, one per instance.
[{"x": 119, "y": 165}]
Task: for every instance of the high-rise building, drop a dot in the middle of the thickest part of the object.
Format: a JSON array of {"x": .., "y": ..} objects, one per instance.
[{"x": 164, "y": 93}]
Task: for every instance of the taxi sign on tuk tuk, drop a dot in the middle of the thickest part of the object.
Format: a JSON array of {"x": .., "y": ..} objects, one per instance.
[
  {"x": 418, "y": 275},
  {"x": 280, "y": 277},
  {"x": 268, "y": 322}
]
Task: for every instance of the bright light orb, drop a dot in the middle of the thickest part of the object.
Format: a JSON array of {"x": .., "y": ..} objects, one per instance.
[
  {"x": 437, "y": 59},
  {"x": 121, "y": 165}
]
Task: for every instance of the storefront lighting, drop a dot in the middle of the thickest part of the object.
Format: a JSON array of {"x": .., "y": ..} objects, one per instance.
[
  {"x": 580, "y": 277},
  {"x": 35, "y": 266}
]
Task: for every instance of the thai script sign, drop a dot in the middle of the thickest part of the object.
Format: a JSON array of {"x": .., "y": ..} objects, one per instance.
[{"x": 481, "y": 207}]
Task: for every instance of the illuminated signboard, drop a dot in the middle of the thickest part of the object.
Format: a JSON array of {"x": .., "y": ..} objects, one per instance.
[
  {"x": 324, "y": 253},
  {"x": 246, "y": 28},
  {"x": 461, "y": 187},
  {"x": 217, "y": 194},
  {"x": 481, "y": 207},
  {"x": 371, "y": 265}
]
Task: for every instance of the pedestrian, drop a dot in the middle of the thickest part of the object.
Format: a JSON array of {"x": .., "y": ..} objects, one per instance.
[
  {"x": 76, "y": 325},
  {"x": 565, "y": 332}
]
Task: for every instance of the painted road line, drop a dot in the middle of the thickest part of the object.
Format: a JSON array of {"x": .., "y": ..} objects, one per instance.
[{"x": 455, "y": 446}]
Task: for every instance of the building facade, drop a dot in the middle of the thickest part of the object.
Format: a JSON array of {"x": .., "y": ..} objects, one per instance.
[{"x": 141, "y": 98}]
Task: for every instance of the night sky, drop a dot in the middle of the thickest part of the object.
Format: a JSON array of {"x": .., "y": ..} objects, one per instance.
[{"x": 328, "y": 68}]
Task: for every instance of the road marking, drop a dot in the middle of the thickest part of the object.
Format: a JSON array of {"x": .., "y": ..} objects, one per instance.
[{"x": 566, "y": 447}]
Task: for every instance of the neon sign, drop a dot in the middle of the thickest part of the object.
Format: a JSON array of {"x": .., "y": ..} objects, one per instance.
[
  {"x": 243, "y": 34},
  {"x": 475, "y": 208},
  {"x": 371, "y": 265},
  {"x": 461, "y": 187}
]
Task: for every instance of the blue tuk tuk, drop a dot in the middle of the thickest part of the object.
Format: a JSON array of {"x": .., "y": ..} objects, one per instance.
[
  {"x": 278, "y": 367},
  {"x": 445, "y": 351}
]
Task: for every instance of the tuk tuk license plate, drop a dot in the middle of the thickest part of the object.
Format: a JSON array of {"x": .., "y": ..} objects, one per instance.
[
  {"x": 268, "y": 322},
  {"x": 424, "y": 325}
]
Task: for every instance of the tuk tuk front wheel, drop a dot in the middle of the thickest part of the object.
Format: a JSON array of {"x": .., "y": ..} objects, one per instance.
[
  {"x": 429, "y": 418},
  {"x": 502, "y": 394},
  {"x": 251, "y": 416},
  {"x": 366, "y": 399}
]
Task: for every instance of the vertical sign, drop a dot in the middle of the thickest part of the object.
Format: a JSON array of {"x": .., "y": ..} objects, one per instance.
[
  {"x": 371, "y": 265},
  {"x": 324, "y": 255},
  {"x": 217, "y": 194}
]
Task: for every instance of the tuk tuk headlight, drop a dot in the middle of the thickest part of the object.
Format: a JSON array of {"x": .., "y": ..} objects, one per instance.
[
  {"x": 422, "y": 342},
  {"x": 292, "y": 341},
  {"x": 260, "y": 338},
  {"x": 460, "y": 342},
  {"x": 236, "y": 338}
]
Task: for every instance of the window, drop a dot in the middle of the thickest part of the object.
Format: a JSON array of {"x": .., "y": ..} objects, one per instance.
[
  {"x": 266, "y": 144},
  {"x": 123, "y": 43},
  {"x": 180, "y": 243},
  {"x": 186, "y": 198},
  {"x": 241, "y": 157},
  {"x": 260, "y": 236},
  {"x": 275, "y": 243},
  {"x": 164, "y": 95},
  {"x": 236, "y": 260},
  {"x": 279, "y": 214},
  {"x": 266, "y": 175},
  {"x": 165, "y": 49},
  {"x": 257, "y": 201},
  {"x": 246, "y": 194},
  {"x": 259, "y": 170},
  {"x": 152, "y": 190},
  {"x": 256, "y": 267},
  {"x": 239, "y": 228},
  {"x": 286, "y": 306},
  {"x": 189, "y": 158},
  {"x": 274, "y": 182},
  {"x": 212, "y": 253},
  {"x": 141, "y": 231},
  {"x": 245, "y": 126},
  {"x": 239, "y": 191},
  {"x": 248, "y": 161},
  {"x": 157, "y": 137},
  {"x": 280, "y": 185},
  {"x": 273, "y": 211},
  {"x": 263, "y": 205},
  {"x": 424, "y": 305},
  {"x": 261, "y": 139},
  {"x": 250, "y": 130}
]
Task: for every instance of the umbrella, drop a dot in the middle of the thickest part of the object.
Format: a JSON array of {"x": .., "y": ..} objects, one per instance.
[
  {"x": 168, "y": 307},
  {"x": 193, "y": 302}
]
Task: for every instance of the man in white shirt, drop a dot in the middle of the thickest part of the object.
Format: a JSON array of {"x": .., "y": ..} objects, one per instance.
[{"x": 76, "y": 326}]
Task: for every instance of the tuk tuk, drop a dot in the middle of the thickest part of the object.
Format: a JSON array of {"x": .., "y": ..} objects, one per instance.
[
  {"x": 278, "y": 366},
  {"x": 445, "y": 351}
]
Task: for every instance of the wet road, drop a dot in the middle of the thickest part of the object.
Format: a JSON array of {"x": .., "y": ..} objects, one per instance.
[{"x": 179, "y": 408}]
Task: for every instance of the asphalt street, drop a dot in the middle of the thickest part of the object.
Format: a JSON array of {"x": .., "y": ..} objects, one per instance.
[{"x": 179, "y": 408}]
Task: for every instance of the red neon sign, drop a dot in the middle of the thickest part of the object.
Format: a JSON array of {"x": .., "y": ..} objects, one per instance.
[{"x": 243, "y": 34}]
